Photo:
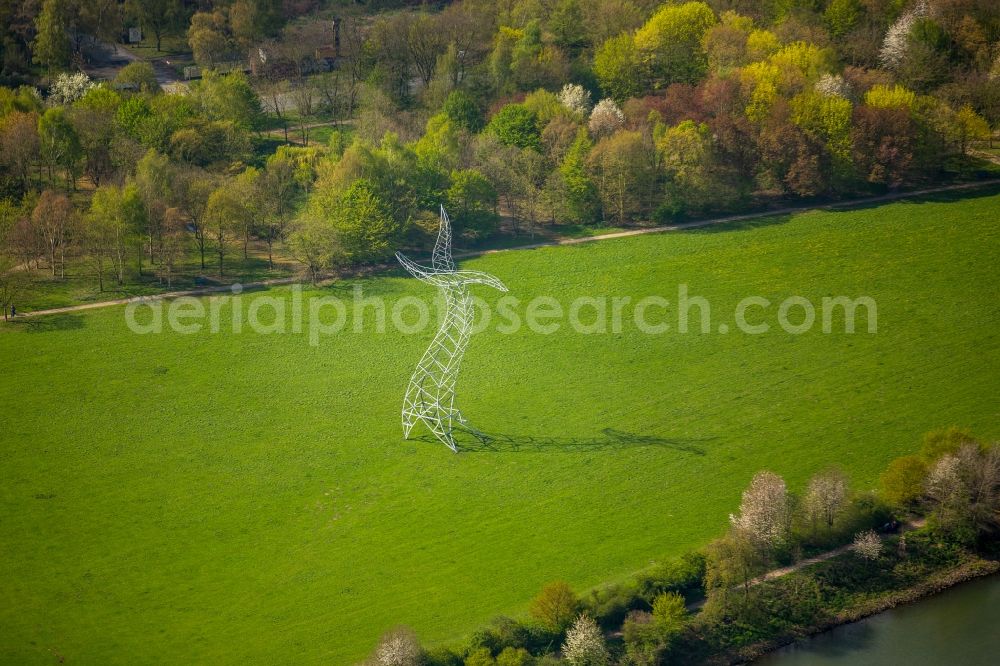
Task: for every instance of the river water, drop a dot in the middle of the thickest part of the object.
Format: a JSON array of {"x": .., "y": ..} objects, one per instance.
[{"x": 959, "y": 627}]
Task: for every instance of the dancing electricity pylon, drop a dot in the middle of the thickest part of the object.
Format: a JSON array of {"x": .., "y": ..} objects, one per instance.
[{"x": 430, "y": 396}]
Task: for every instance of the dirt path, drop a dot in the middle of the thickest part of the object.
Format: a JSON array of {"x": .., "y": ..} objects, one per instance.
[
  {"x": 908, "y": 526},
  {"x": 567, "y": 241},
  {"x": 204, "y": 291}
]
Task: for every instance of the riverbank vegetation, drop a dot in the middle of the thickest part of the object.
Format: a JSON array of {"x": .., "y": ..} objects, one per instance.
[
  {"x": 741, "y": 606},
  {"x": 519, "y": 117}
]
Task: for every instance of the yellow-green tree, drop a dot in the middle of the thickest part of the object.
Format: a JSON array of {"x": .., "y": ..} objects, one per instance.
[
  {"x": 555, "y": 606},
  {"x": 685, "y": 152},
  {"x": 52, "y": 47},
  {"x": 902, "y": 482},
  {"x": 670, "y": 43},
  {"x": 969, "y": 127},
  {"x": 890, "y": 97},
  {"x": 616, "y": 65},
  {"x": 827, "y": 118}
]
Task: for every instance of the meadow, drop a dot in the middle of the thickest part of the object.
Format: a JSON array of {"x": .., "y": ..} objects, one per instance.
[{"x": 222, "y": 498}]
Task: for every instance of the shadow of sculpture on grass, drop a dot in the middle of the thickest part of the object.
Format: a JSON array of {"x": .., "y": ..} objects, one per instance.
[{"x": 609, "y": 439}]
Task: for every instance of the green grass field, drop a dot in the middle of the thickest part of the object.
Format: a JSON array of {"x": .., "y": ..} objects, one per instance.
[{"x": 220, "y": 498}]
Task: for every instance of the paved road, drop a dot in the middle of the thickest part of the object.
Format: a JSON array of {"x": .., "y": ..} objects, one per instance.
[{"x": 569, "y": 241}]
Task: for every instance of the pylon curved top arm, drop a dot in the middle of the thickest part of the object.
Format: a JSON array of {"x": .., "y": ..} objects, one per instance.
[{"x": 447, "y": 278}]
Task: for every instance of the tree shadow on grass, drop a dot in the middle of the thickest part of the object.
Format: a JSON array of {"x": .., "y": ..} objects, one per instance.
[
  {"x": 48, "y": 323},
  {"x": 946, "y": 196},
  {"x": 609, "y": 439},
  {"x": 781, "y": 215},
  {"x": 765, "y": 220},
  {"x": 371, "y": 286}
]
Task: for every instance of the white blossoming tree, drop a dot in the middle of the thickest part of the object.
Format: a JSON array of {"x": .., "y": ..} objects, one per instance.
[
  {"x": 897, "y": 37},
  {"x": 67, "y": 88},
  {"x": 867, "y": 545},
  {"x": 399, "y": 647},
  {"x": 576, "y": 98},
  {"x": 585, "y": 644},
  {"x": 764, "y": 512},
  {"x": 944, "y": 483},
  {"x": 606, "y": 118},
  {"x": 833, "y": 85}
]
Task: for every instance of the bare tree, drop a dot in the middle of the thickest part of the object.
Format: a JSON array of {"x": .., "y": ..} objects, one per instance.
[
  {"x": 274, "y": 95},
  {"x": 470, "y": 26},
  {"x": 425, "y": 43},
  {"x": 25, "y": 242},
  {"x": 304, "y": 94},
  {"x": 964, "y": 488},
  {"x": 99, "y": 243},
  {"x": 329, "y": 90},
  {"x": 946, "y": 490},
  {"x": 53, "y": 217},
  {"x": 981, "y": 468},
  {"x": 498, "y": 163},
  {"x": 173, "y": 243},
  {"x": 352, "y": 42},
  {"x": 193, "y": 189}
]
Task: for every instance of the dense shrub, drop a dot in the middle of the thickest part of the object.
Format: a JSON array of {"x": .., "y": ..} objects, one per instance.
[
  {"x": 442, "y": 656},
  {"x": 516, "y": 125},
  {"x": 609, "y": 604},
  {"x": 505, "y": 632},
  {"x": 684, "y": 575},
  {"x": 461, "y": 108}
]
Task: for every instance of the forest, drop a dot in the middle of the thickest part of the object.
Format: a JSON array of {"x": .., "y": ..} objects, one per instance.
[{"x": 521, "y": 116}]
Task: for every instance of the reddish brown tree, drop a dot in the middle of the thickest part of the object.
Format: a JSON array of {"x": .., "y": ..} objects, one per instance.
[
  {"x": 19, "y": 146},
  {"x": 791, "y": 161},
  {"x": 883, "y": 144}
]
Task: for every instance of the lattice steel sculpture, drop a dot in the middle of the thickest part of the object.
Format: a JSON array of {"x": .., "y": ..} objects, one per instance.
[{"x": 430, "y": 396}]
